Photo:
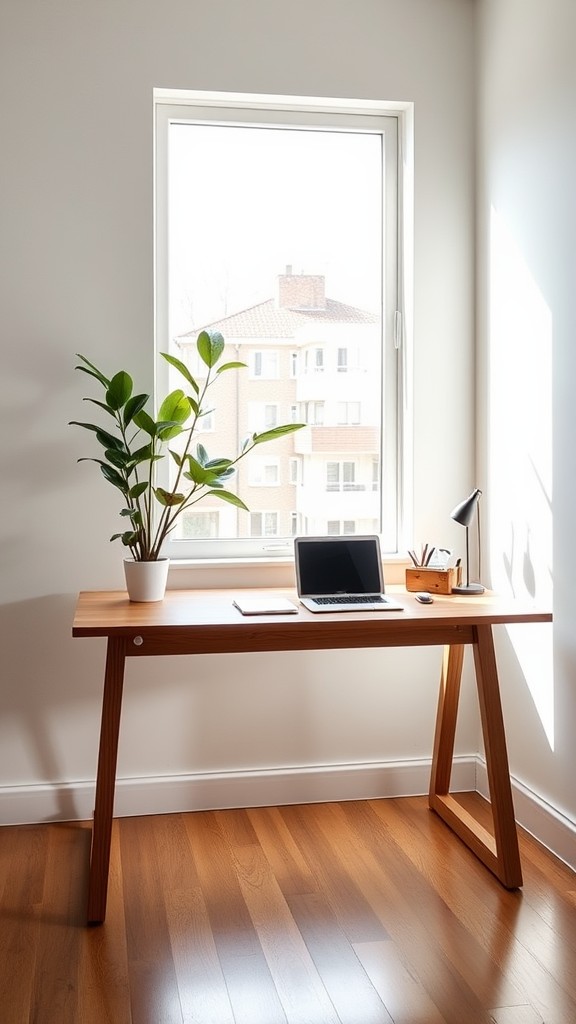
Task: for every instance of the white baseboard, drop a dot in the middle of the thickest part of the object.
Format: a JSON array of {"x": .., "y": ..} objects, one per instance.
[
  {"x": 543, "y": 821},
  {"x": 256, "y": 788},
  {"x": 21, "y": 805}
]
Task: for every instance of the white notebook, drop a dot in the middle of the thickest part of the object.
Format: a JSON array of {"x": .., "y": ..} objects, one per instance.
[{"x": 263, "y": 605}]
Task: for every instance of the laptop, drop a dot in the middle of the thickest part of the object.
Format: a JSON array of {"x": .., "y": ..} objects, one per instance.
[{"x": 341, "y": 574}]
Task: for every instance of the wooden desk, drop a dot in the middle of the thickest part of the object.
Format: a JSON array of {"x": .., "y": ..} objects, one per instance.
[{"x": 205, "y": 622}]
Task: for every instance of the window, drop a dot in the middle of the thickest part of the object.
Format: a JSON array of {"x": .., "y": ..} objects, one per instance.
[
  {"x": 264, "y": 472},
  {"x": 264, "y": 364},
  {"x": 348, "y": 412},
  {"x": 341, "y": 476},
  {"x": 200, "y": 525},
  {"x": 227, "y": 230},
  {"x": 334, "y": 527},
  {"x": 294, "y": 471},
  {"x": 314, "y": 413},
  {"x": 263, "y": 524}
]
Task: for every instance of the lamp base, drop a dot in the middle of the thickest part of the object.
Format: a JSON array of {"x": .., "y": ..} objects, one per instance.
[{"x": 469, "y": 588}]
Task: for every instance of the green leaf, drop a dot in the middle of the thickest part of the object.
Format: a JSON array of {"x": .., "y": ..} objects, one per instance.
[
  {"x": 120, "y": 390},
  {"x": 231, "y": 366},
  {"x": 218, "y": 464},
  {"x": 138, "y": 489},
  {"x": 169, "y": 498},
  {"x": 109, "y": 441},
  {"x": 201, "y": 454},
  {"x": 196, "y": 471},
  {"x": 167, "y": 429},
  {"x": 143, "y": 454},
  {"x": 92, "y": 370},
  {"x": 133, "y": 406},
  {"x": 128, "y": 539},
  {"x": 145, "y": 422},
  {"x": 270, "y": 435},
  {"x": 233, "y": 499},
  {"x": 210, "y": 345},
  {"x": 120, "y": 459},
  {"x": 175, "y": 407},
  {"x": 113, "y": 477},
  {"x": 182, "y": 368},
  {"x": 100, "y": 404},
  {"x": 106, "y": 440},
  {"x": 177, "y": 458}
]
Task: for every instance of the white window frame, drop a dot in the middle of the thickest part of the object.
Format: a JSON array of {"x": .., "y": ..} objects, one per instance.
[{"x": 396, "y": 122}]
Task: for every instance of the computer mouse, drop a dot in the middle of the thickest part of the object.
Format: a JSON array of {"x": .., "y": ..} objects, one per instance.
[{"x": 424, "y": 598}]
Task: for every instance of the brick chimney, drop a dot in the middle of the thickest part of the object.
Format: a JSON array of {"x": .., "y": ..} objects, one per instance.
[{"x": 301, "y": 291}]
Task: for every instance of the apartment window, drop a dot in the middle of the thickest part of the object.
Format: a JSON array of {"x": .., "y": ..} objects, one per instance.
[
  {"x": 285, "y": 177},
  {"x": 263, "y": 524},
  {"x": 348, "y": 413},
  {"x": 295, "y": 471},
  {"x": 265, "y": 364},
  {"x": 314, "y": 360},
  {"x": 200, "y": 525},
  {"x": 314, "y": 413},
  {"x": 341, "y": 476},
  {"x": 336, "y": 527},
  {"x": 264, "y": 472}
]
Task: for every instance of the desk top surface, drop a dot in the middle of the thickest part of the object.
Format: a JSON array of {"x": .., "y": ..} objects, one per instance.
[{"x": 110, "y": 613}]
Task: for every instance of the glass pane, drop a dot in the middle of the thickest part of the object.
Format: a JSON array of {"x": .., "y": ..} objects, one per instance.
[{"x": 275, "y": 239}]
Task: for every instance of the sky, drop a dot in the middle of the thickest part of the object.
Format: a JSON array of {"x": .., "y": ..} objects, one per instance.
[{"x": 246, "y": 202}]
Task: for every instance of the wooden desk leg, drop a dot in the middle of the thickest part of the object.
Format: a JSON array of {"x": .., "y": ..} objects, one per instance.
[
  {"x": 106, "y": 780},
  {"x": 499, "y": 852}
]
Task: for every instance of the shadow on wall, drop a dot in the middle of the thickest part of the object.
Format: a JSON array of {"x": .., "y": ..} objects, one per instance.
[{"x": 45, "y": 675}]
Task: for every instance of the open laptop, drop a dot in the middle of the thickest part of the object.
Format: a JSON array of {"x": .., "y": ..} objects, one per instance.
[{"x": 341, "y": 574}]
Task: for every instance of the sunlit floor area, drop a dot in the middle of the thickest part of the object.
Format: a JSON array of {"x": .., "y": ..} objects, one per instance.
[{"x": 346, "y": 913}]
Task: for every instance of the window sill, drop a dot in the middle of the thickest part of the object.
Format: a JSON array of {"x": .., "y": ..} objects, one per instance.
[{"x": 221, "y": 573}]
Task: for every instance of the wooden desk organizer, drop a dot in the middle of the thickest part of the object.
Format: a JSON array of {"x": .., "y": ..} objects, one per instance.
[{"x": 433, "y": 581}]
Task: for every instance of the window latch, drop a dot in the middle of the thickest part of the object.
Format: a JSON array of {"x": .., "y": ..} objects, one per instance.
[{"x": 397, "y": 328}]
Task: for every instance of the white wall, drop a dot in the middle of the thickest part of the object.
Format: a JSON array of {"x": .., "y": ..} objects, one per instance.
[
  {"x": 76, "y": 81},
  {"x": 527, "y": 364}
]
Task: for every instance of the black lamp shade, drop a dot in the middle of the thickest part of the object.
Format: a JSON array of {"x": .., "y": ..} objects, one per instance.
[{"x": 464, "y": 512}]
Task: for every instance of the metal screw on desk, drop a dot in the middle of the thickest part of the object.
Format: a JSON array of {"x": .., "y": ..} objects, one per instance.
[{"x": 138, "y": 641}]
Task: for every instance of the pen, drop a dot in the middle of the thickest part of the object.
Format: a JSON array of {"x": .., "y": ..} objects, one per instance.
[{"x": 430, "y": 553}]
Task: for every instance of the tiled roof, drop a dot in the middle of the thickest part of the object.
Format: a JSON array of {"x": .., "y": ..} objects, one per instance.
[{"x": 266, "y": 320}]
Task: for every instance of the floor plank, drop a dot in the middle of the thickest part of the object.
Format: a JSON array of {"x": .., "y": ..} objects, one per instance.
[{"x": 367, "y": 912}]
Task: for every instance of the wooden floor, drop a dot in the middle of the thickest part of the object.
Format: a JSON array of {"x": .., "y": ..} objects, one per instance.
[{"x": 360, "y": 913}]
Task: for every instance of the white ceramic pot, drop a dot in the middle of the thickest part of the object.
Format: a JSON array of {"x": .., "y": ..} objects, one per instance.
[{"x": 146, "y": 581}]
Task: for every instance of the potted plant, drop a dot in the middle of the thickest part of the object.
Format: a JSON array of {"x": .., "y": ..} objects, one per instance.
[{"x": 134, "y": 443}]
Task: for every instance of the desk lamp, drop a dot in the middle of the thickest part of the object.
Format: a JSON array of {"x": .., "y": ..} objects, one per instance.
[{"x": 463, "y": 514}]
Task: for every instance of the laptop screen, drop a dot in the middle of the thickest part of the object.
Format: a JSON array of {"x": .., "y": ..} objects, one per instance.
[{"x": 338, "y": 565}]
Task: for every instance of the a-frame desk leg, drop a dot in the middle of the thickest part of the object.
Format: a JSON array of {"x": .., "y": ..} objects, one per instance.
[
  {"x": 499, "y": 852},
  {"x": 106, "y": 780}
]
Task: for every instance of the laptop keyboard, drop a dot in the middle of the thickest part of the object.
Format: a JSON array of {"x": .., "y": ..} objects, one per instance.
[{"x": 351, "y": 599}]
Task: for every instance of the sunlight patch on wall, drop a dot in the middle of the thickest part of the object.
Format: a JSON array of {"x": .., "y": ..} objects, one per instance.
[{"x": 520, "y": 453}]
